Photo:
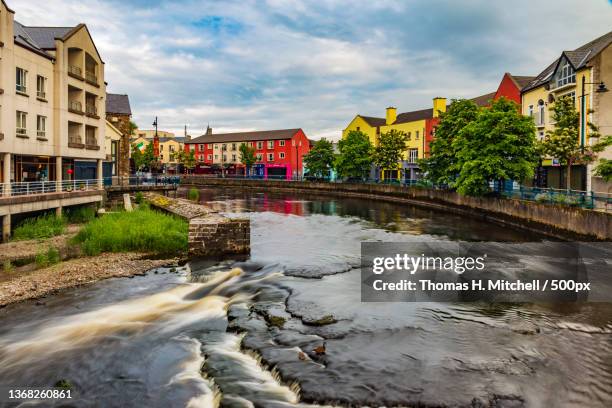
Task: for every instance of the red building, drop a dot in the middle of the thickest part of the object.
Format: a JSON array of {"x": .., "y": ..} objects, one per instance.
[
  {"x": 279, "y": 153},
  {"x": 511, "y": 85}
]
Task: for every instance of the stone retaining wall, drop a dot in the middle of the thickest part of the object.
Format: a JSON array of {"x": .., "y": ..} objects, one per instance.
[
  {"x": 210, "y": 233},
  {"x": 554, "y": 220}
]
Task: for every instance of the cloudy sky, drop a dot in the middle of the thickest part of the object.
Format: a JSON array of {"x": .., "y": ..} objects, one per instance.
[{"x": 244, "y": 65}]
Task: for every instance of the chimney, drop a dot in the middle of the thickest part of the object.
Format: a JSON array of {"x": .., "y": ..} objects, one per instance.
[
  {"x": 187, "y": 137},
  {"x": 208, "y": 131},
  {"x": 439, "y": 105},
  {"x": 391, "y": 115}
]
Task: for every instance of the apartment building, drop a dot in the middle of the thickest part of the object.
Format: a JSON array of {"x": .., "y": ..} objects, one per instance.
[
  {"x": 582, "y": 71},
  {"x": 279, "y": 153},
  {"x": 52, "y": 108}
]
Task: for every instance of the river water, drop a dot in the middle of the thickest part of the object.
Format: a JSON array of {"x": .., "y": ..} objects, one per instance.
[{"x": 243, "y": 333}]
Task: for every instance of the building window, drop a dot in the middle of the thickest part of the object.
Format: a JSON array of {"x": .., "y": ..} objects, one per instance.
[
  {"x": 281, "y": 155},
  {"x": 171, "y": 147},
  {"x": 41, "y": 126},
  {"x": 270, "y": 144},
  {"x": 540, "y": 120},
  {"x": 201, "y": 158},
  {"x": 259, "y": 157},
  {"x": 224, "y": 147},
  {"x": 216, "y": 157},
  {"x": 161, "y": 156},
  {"x": 216, "y": 147},
  {"x": 21, "y": 123},
  {"x": 201, "y": 147},
  {"x": 540, "y": 135},
  {"x": 413, "y": 155},
  {"x": 566, "y": 74},
  {"x": 90, "y": 136},
  {"x": 192, "y": 148},
  {"x": 358, "y": 128},
  {"x": 281, "y": 143},
  {"x": 210, "y": 157},
  {"x": 210, "y": 146},
  {"x": 233, "y": 146},
  {"x": 41, "y": 86},
  {"x": 409, "y": 135},
  {"x": 21, "y": 80},
  {"x": 233, "y": 157},
  {"x": 530, "y": 111},
  {"x": 416, "y": 135},
  {"x": 161, "y": 148},
  {"x": 259, "y": 145},
  {"x": 270, "y": 157}
]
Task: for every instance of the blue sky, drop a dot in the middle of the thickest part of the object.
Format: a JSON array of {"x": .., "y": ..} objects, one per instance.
[{"x": 245, "y": 65}]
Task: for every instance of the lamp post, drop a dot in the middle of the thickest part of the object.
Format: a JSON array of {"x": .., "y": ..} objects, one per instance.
[{"x": 297, "y": 160}]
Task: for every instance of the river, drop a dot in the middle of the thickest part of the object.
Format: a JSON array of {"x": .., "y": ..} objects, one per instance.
[{"x": 243, "y": 333}]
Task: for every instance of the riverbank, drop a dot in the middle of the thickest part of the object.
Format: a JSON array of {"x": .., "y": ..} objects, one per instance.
[
  {"x": 17, "y": 287},
  {"x": 556, "y": 221}
]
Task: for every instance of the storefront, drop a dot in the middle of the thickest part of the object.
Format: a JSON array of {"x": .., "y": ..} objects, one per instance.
[{"x": 33, "y": 168}]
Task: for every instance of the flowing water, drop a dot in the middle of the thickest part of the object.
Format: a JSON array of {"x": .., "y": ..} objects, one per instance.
[{"x": 243, "y": 333}]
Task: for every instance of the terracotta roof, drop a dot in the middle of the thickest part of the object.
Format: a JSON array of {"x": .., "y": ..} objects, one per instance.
[
  {"x": 579, "y": 58},
  {"x": 246, "y": 136},
  {"x": 119, "y": 104}
]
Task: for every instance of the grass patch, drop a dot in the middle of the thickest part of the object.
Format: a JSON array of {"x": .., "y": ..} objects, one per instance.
[
  {"x": 142, "y": 230},
  {"x": 193, "y": 194},
  {"x": 45, "y": 226},
  {"x": 47, "y": 258},
  {"x": 80, "y": 215}
]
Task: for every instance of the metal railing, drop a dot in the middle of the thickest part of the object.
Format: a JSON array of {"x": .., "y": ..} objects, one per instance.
[
  {"x": 76, "y": 106},
  {"x": 91, "y": 110},
  {"x": 91, "y": 77},
  {"x": 73, "y": 69},
  {"x": 45, "y": 187},
  {"x": 143, "y": 180}
]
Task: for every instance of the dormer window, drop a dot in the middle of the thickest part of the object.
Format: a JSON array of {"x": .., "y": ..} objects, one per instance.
[{"x": 565, "y": 74}]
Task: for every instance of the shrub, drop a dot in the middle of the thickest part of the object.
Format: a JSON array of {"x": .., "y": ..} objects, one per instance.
[
  {"x": 142, "y": 230},
  {"x": 139, "y": 197},
  {"x": 41, "y": 227},
  {"x": 53, "y": 256},
  {"x": 80, "y": 215},
  {"x": 41, "y": 259},
  {"x": 193, "y": 194},
  {"x": 8, "y": 266},
  {"x": 542, "y": 198}
]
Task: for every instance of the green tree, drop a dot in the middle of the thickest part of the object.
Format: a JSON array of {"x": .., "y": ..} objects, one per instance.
[
  {"x": 390, "y": 150},
  {"x": 132, "y": 127},
  {"x": 144, "y": 158},
  {"x": 604, "y": 169},
  {"x": 441, "y": 166},
  {"x": 498, "y": 145},
  {"x": 563, "y": 142},
  {"x": 320, "y": 159},
  {"x": 355, "y": 158},
  {"x": 187, "y": 159},
  {"x": 247, "y": 156}
]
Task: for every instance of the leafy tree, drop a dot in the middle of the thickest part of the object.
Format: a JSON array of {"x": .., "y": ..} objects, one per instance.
[
  {"x": 604, "y": 169},
  {"x": 355, "y": 158},
  {"x": 563, "y": 142},
  {"x": 441, "y": 167},
  {"x": 132, "y": 127},
  {"x": 498, "y": 145},
  {"x": 320, "y": 159},
  {"x": 247, "y": 156},
  {"x": 144, "y": 158},
  {"x": 390, "y": 150},
  {"x": 187, "y": 159}
]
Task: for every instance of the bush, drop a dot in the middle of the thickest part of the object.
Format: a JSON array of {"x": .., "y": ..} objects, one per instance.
[
  {"x": 8, "y": 266},
  {"x": 542, "y": 198},
  {"x": 142, "y": 230},
  {"x": 53, "y": 256},
  {"x": 41, "y": 227},
  {"x": 41, "y": 259},
  {"x": 193, "y": 194},
  {"x": 80, "y": 215},
  {"x": 139, "y": 197}
]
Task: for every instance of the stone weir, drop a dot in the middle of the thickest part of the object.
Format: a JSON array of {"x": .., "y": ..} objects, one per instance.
[{"x": 210, "y": 233}]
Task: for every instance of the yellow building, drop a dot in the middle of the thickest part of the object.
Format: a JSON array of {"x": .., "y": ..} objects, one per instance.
[
  {"x": 112, "y": 140},
  {"x": 52, "y": 109},
  {"x": 572, "y": 74},
  {"x": 168, "y": 144},
  {"x": 417, "y": 125}
]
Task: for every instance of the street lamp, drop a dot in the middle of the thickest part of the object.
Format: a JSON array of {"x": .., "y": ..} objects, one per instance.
[{"x": 297, "y": 160}]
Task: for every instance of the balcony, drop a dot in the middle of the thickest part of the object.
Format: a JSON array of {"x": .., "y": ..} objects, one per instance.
[
  {"x": 91, "y": 111},
  {"x": 75, "y": 72},
  {"x": 91, "y": 78},
  {"x": 75, "y": 107}
]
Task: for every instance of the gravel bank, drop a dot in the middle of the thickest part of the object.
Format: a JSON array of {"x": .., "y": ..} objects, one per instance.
[{"x": 76, "y": 272}]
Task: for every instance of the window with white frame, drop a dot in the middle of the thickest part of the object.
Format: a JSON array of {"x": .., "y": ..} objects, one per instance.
[
  {"x": 270, "y": 157},
  {"x": 216, "y": 157},
  {"x": 21, "y": 80},
  {"x": 530, "y": 110},
  {"x": 416, "y": 135},
  {"x": 41, "y": 126},
  {"x": 201, "y": 147},
  {"x": 259, "y": 157},
  {"x": 409, "y": 135},
  {"x": 413, "y": 155},
  {"x": 233, "y": 157},
  {"x": 41, "y": 86},
  {"x": 210, "y": 157},
  {"x": 566, "y": 74},
  {"x": 171, "y": 147},
  {"x": 233, "y": 146},
  {"x": 22, "y": 128},
  {"x": 281, "y": 143},
  {"x": 270, "y": 144},
  {"x": 281, "y": 155},
  {"x": 259, "y": 145}
]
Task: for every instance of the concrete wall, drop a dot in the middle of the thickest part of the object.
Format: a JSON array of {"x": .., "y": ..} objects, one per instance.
[{"x": 559, "y": 221}]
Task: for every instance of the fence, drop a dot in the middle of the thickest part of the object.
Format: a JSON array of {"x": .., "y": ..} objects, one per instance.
[
  {"x": 144, "y": 180},
  {"x": 573, "y": 198},
  {"x": 45, "y": 187}
]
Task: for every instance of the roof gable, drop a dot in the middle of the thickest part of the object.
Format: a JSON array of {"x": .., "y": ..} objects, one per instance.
[
  {"x": 246, "y": 136},
  {"x": 118, "y": 104}
]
